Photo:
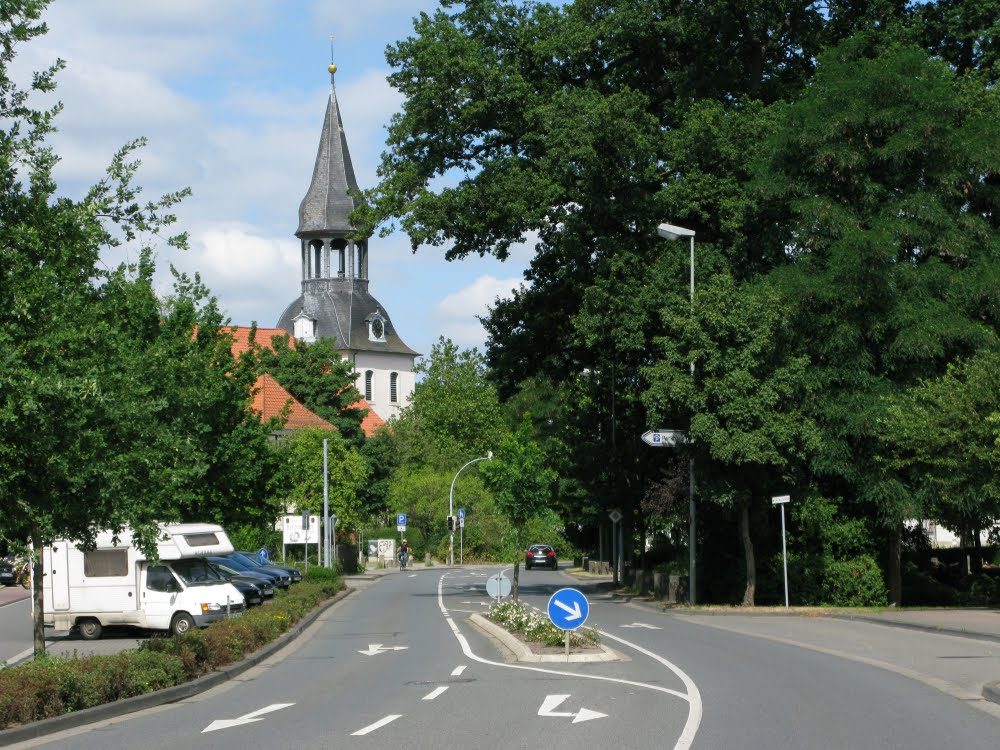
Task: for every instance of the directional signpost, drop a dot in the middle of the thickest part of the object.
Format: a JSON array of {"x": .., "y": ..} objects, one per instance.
[
  {"x": 568, "y": 609},
  {"x": 782, "y": 500},
  {"x": 663, "y": 438}
]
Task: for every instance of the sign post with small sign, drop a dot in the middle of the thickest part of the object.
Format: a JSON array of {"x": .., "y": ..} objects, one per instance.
[{"x": 782, "y": 500}]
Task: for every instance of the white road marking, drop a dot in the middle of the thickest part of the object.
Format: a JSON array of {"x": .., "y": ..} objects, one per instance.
[
  {"x": 457, "y": 671},
  {"x": 378, "y": 648},
  {"x": 380, "y": 723},
  {"x": 553, "y": 702},
  {"x": 642, "y": 625},
  {"x": 413, "y": 575},
  {"x": 435, "y": 693},
  {"x": 245, "y": 718},
  {"x": 692, "y": 696}
]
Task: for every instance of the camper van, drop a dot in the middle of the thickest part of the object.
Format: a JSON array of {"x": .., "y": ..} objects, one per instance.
[{"x": 115, "y": 584}]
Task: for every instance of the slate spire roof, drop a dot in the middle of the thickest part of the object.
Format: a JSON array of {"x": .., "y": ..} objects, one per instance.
[{"x": 328, "y": 202}]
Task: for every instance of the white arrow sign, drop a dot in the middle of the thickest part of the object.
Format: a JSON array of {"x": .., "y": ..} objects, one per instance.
[
  {"x": 574, "y": 612},
  {"x": 553, "y": 701},
  {"x": 641, "y": 625},
  {"x": 249, "y": 718},
  {"x": 378, "y": 648}
]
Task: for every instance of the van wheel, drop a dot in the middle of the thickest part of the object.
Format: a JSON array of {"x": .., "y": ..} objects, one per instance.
[
  {"x": 90, "y": 629},
  {"x": 181, "y": 624}
]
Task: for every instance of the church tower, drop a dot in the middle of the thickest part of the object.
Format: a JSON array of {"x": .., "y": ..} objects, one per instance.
[{"x": 335, "y": 301}]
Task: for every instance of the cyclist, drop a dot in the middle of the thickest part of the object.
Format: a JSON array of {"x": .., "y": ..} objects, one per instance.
[{"x": 404, "y": 554}]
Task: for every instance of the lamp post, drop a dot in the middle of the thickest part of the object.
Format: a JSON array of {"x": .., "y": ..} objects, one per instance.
[
  {"x": 451, "y": 505},
  {"x": 671, "y": 232}
]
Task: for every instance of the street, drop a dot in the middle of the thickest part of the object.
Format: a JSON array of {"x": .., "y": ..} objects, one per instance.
[{"x": 399, "y": 663}]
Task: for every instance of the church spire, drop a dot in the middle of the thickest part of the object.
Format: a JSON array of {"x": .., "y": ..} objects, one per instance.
[{"x": 328, "y": 202}]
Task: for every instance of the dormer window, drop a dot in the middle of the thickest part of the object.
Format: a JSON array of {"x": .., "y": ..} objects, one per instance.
[
  {"x": 304, "y": 327},
  {"x": 376, "y": 328}
]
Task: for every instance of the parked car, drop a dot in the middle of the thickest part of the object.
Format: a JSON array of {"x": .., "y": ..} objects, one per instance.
[
  {"x": 252, "y": 596},
  {"x": 8, "y": 577},
  {"x": 540, "y": 555},
  {"x": 277, "y": 579},
  {"x": 260, "y": 580},
  {"x": 254, "y": 559}
]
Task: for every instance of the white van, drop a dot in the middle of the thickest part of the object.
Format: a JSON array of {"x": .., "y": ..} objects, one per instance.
[{"x": 115, "y": 584}]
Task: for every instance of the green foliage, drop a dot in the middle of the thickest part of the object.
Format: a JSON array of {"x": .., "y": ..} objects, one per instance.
[
  {"x": 854, "y": 582},
  {"x": 318, "y": 376},
  {"x": 517, "y": 474},
  {"x": 299, "y": 476}
]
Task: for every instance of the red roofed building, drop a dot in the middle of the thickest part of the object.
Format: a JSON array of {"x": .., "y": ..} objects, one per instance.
[{"x": 270, "y": 397}]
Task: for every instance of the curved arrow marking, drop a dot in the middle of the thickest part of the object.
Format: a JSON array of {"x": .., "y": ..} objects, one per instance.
[
  {"x": 554, "y": 701},
  {"x": 574, "y": 611}
]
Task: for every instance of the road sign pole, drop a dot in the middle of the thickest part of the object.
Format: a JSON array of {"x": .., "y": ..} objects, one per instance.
[
  {"x": 784, "y": 554},
  {"x": 692, "y": 538}
]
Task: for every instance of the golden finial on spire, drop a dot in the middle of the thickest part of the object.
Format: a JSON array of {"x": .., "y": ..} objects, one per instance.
[{"x": 332, "y": 68}]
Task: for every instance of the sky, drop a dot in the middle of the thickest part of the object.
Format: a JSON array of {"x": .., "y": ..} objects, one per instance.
[{"x": 231, "y": 96}]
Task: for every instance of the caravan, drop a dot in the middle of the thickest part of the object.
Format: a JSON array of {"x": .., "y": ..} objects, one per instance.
[{"x": 115, "y": 584}]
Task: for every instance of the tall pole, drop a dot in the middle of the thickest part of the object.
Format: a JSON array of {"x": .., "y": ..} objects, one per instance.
[
  {"x": 451, "y": 505},
  {"x": 693, "y": 532},
  {"x": 326, "y": 504},
  {"x": 784, "y": 554}
]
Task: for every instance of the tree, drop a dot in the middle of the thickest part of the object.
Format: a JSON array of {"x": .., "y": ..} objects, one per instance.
[
  {"x": 521, "y": 481},
  {"x": 299, "y": 477},
  {"x": 114, "y": 412},
  {"x": 455, "y": 414},
  {"x": 946, "y": 433},
  {"x": 317, "y": 375}
]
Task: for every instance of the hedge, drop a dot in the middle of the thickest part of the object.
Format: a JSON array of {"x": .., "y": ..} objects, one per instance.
[{"x": 51, "y": 686}]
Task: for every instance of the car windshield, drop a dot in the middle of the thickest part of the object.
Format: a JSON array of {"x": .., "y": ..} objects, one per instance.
[
  {"x": 542, "y": 548},
  {"x": 196, "y": 572},
  {"x": 249, "y": 559}
]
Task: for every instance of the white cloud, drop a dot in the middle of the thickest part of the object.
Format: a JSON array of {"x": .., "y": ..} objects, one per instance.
[{"x": 457, "y": 313}]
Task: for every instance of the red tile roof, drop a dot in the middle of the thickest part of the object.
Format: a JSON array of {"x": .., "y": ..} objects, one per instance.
[
  {"x": 241, "y": 338},
  {"x": 270, "y": 399}
]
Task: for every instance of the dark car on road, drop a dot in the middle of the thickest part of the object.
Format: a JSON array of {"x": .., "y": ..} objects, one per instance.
[
  {"x": 261, "y": 581},
  {"x": 254, "y": 559},
  {"x": 540, "y": 555},
  {"x": 279, "y": 580}
]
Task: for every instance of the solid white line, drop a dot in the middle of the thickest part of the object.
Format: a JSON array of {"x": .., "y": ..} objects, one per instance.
[
  {"x": 380, "y": 723},
  {"x": 693, "y": 695},
  {"x": 435, "y": 693},
  {"x": 457, "y": 671},
  {"x": 695, "y": 714}
]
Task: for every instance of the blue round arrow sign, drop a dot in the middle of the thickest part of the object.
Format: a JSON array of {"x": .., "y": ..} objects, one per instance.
[{"x": 568, "y": 609}]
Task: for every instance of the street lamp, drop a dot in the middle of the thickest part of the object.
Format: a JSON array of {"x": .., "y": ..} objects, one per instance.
[
  {"x": 671, "y": 232},
  {"x": 451, "y": 505}
]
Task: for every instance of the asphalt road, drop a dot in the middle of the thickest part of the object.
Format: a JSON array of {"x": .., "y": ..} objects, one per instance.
[{"x": 398, "y": 664}]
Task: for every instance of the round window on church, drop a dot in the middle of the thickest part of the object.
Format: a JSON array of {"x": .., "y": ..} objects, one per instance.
[{"x": 378, "y": 329}]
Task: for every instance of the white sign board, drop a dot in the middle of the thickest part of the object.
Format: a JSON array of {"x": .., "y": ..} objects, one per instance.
[
  {"x": 293, "y": 533},
  {"x": 780, "y": 499},
  {"x": 386, "y": 548},
  {"x": 663, "y": 438}
]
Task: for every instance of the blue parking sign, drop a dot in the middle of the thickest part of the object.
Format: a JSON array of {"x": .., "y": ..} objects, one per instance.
[
  {"x": 401, "y": 519},
  {"x": 461, "y": 512}
]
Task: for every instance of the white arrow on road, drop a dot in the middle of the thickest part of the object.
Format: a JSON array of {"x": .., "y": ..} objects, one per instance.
[
  {"x": 378, "y": 648},
  {"x": 553, "y": 701},
  {"x": 246, "y": 718},
  {"x": 642, "y": 625},
  {"x": 574, "y": 611}
]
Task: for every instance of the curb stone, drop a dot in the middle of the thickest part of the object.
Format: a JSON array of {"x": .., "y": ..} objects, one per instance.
[
  {"x": 522, "y": 653},
  {"x": 172, "y": 694}
]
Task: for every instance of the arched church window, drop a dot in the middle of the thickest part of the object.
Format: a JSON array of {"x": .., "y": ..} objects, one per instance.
[
  {"x": 369, "y": 377},
  {"x": 393, "y": 393},
  {"x": 317, "y": 258}
]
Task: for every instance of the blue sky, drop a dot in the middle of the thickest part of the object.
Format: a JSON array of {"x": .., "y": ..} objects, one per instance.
[{"x": 231, "y": 96}]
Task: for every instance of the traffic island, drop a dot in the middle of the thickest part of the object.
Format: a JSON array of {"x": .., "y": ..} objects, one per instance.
[{"x": 519, "y": 649}]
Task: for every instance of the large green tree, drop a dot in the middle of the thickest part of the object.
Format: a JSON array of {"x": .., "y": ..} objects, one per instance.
[{"x": 115, "y": 409}]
